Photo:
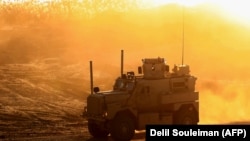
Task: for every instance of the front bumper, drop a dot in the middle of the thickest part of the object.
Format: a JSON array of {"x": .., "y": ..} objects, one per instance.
[
  {"x": 84, "y": 113},
  {"x": 101, "y": 117}
]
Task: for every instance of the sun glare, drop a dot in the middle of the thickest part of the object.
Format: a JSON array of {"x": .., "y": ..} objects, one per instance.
[
  {"x": 155, "y": 3},
  {"x": 238, "y": 10}
]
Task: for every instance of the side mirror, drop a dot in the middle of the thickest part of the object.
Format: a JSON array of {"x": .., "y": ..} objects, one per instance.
[
  {"x": 140, "y": 70},
  {"x": 96, "y": 89}
]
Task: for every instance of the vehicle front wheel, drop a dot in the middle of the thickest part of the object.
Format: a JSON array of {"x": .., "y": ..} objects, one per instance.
[
  {"x": 96, "y": 130},
  {"x": 122, "y": 128}
]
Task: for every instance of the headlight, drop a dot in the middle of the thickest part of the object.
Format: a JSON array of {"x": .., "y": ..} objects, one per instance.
[{"x": 105, "y": 114}]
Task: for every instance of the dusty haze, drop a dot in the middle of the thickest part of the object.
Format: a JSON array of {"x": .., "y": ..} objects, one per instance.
[{"x": 216, "y": 47}]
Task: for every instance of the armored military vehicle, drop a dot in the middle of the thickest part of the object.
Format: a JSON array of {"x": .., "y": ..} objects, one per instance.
[{"x": 155, "y": 96}]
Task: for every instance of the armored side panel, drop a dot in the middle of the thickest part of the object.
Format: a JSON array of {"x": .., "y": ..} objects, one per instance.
[
  {"x": 185, "y": 83},
  {"x": 191, "y": 83},
  {"x": 147, "y": 94}
]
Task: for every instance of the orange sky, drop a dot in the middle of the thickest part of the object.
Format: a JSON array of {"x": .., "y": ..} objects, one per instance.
[{"x": 237, "y": 10}]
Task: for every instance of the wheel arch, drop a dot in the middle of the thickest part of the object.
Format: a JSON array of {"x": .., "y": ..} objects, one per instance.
[
  {"x": 192, "y": 107},
  {"x": 128, "y": 112}
]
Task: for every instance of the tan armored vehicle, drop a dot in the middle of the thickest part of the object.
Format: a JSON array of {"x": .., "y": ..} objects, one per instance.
[{"x": 155, "y": 96}]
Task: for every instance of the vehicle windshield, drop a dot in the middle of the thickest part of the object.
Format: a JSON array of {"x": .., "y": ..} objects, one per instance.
[{"x": 124, "y": 85}]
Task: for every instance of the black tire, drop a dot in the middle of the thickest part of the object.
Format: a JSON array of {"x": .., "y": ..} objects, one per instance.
[
  {"x": 95, "y": 130},
  {"x": 187, "y": 116},
  {"x": 122, "y": 128}
]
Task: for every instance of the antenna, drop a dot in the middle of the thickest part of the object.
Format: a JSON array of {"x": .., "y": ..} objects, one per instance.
[
  {"x": 91, "y": 76},
  {"x": 183, "y": 34},
  {"x": 122, "y": 63}
]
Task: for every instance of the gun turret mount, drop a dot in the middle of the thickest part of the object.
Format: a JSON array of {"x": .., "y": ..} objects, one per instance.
[{"x": 154, "y": 68}]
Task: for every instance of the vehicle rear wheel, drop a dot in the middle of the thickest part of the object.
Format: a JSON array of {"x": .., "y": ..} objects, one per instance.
[
  {"x": 186, "y": 116},
  {"x": 122, "y": 128},
  {"x": 96, "y": 130}
]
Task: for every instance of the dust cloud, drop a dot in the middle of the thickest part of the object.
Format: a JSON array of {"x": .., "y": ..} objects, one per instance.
[{"x": 215, "y": 47}]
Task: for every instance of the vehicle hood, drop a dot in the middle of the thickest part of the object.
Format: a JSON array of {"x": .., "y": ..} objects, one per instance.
[{"x": 114, "y": 96}]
